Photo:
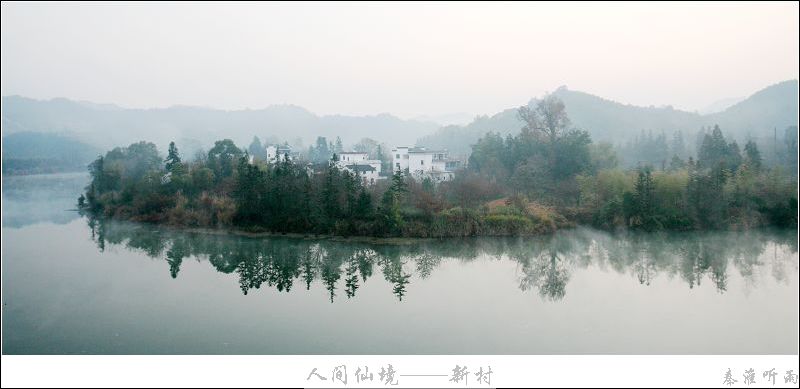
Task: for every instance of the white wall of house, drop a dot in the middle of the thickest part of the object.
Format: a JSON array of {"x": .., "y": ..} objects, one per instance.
[
  {"x": 271, "y": 153},
  {"x": 375, "y": 163},
  {"x": 278, "y": 153},
  {"x": 439, "y": 165},
  {"x": 419, "y": 163},
  {"x": 422, "y": 163},
  {"x": 369, "y": 178},
  {"x": 400, "y": 158},
  {"x": 352, "y": 157}
]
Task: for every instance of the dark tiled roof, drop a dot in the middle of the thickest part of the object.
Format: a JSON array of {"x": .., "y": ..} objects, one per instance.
[{"x": 361, "y": 168}]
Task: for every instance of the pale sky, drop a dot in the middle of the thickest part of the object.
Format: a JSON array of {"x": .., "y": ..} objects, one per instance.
[{"x": 405, "y": 59}]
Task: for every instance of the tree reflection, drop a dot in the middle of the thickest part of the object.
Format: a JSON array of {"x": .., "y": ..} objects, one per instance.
[
  {"x": 545, "y": 264},
  {"x": 547, "y": 273},
  {"x": 394, "y": 273}
]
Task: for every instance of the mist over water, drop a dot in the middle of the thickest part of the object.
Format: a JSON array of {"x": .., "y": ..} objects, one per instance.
[
  {"x": 355, "y": 133},
  {"x": 75, "y": 285}
]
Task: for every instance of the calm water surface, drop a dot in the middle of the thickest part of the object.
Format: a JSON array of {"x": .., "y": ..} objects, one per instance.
[{"x": 72, "y": 285}]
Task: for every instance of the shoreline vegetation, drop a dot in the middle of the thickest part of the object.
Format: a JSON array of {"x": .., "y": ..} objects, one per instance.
[
  {"x": 249, "y": 233},
  {"x": 547, "y": 177}
]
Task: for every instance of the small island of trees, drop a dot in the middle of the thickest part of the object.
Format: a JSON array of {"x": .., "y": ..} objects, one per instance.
[{"x": 548, "y": 176}]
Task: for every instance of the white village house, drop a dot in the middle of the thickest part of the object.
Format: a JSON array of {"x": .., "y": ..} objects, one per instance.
[
  {"x": 358, "y": 163},
  {"x": 419, "y": 162},
  {"x": 422, "y": 163},
  {"x": 278, "y": 153}
]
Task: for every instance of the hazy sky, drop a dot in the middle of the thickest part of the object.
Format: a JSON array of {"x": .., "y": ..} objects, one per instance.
[{"x": 407, "y": 59}]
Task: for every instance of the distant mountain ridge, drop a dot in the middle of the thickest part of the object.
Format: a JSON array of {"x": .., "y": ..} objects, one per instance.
[
  {"x": 35, "y": 152},
  {"x": 107, "y": 125},
  {"x": 772, "y": 107},
  {"x": 720, "y": 105}
]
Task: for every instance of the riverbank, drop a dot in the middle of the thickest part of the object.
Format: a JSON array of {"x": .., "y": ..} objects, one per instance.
[
  {"x": 420, "y": 231},
  {"x": 454, "y": 223},
  {"x": 249, "y": 233}
]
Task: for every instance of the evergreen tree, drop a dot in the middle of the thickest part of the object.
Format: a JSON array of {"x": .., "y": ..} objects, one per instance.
[
  {"x": 676, "y": 163},
  {"x": 391, "y": 201},
  {"x": 173, "y": 158},
  {"x": 644, "y": 200},
  {"x": 678, "y": 147},
  {"x": 752, "y": 155},
  {"x": 178, "y": 178},
  {"x": 249, "y": 193},
  {"x": 351, "y": 186},
  {"x": 716, "y": 150},
  {"x": 363, "y": 209},
  {"x": 338, "y": 147},
  {"x": 733, "y": 157},
  {"x": 256, "y": 149},
  {"x": 321, "y": 153},
  {"x": 330, "y": 195}
]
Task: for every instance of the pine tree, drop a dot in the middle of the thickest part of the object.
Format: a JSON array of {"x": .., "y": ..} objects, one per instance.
[
  {"x": 678, "y": 147},
  {"x": 752, "y": 155},
  {"x": 173, "y": 158},
  {"x": 338, "y": 147},
  {"x": 716, "y": 150},
  {"x": 322, "y": 152},
  {"x": 363, "y": 209},
  {"x": 330, "y": 195},
  {"x": 645, "y": 199},
  {"x": 256, "y": 149},
  {"x": 385, "y": 166},
  {"x": 390, "y": 204}
]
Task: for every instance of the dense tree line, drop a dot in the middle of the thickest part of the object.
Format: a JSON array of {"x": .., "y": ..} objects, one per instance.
[
  {"x": 549, "y": 175},
  {"x": 225, "y": 188},
  {"x": 725, "y": 187},
  {"x": 549, "y": 163},
  {"x": 656, "y": 150}
]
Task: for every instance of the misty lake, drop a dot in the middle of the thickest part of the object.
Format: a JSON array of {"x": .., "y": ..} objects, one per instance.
[{"x": 73, "y": 285}]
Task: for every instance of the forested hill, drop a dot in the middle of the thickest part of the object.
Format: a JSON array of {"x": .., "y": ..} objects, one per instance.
[
  {"x": 774, "y": 107},
  {"x": 33, "y": 152}
]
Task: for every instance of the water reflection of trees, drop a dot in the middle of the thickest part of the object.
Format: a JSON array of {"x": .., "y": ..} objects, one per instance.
[{"x": 544, "y": 264}]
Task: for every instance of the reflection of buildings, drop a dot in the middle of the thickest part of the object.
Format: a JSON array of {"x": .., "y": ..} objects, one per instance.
[
  {"x": 422, "y": 163},
  {"x": 356, "y": 162}
]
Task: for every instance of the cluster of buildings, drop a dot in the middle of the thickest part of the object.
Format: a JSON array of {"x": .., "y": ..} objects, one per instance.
[{"x": 417, "y": 162}]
